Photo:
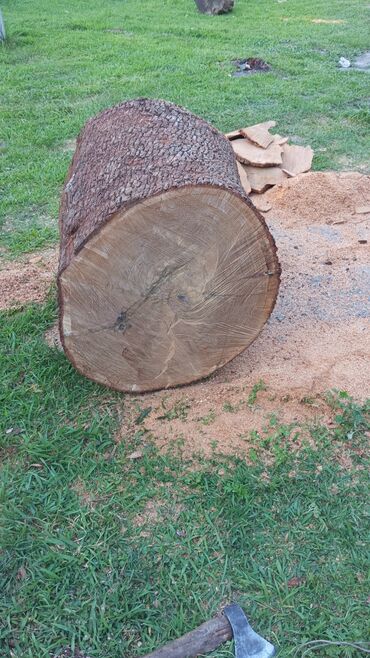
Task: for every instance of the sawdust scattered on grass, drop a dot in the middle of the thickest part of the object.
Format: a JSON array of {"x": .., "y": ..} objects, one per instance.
[
  {"x": 317, "y": 338},
  {"x": 28, "y": 279}
]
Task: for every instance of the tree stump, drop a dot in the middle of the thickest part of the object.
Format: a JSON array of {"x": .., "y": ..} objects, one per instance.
[
  {"x": 214, "y": 6},
  {"x": 166, "y": 269}
]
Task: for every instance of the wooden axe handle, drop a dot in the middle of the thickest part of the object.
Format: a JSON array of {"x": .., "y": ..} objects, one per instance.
[{"x": 203, "y": 639}]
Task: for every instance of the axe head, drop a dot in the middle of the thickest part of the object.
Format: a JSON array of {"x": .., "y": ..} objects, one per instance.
[{"x": 248, "y": 644}]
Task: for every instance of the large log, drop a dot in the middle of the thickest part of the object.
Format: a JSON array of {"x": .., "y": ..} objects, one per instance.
[{"x": 166, "y": 270}]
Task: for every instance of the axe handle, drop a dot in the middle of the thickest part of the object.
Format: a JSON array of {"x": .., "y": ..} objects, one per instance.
[{"x": 203, "y": 639}]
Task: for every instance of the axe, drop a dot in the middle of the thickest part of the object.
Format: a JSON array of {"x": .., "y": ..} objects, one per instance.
[{"x": 231, "y": 624}]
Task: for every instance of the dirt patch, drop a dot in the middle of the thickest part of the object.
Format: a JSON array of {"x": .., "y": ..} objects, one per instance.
[
  {"x": 28, "y": 279},
  {"x": 316, "y": 339},
  {"x": 85, "y": 496},
  {"x": 362, "y": 62},
  {"x": 248, "y": 66},
  {"x": 52, "y": 337},
  {"x": 68, "y": 146}
]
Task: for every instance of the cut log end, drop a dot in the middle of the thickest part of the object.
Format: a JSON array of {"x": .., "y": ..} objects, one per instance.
[
  {"x": 169, "y": 290},
  {"x": 166, "y": 270}
]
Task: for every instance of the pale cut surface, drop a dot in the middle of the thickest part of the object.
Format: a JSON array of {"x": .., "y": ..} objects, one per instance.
[
  {"x": 296, "y": 159},
  {"x": 259, "y": 133},
  {"x": 249, "y": 153},
  {"x": 263, "y": 178},
  {"x": 168, "y": 290},
  {"x": 244, "y": 178},
  {"x": 234, "y": 134},
  {"x": 280, "y": 140}
]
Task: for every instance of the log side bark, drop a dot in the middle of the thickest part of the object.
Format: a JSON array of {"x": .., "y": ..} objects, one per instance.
[{"x": 134, "y": 151}]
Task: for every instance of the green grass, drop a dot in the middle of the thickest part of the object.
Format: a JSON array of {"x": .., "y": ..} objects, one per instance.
[
  {"x": 117, "y": 555},
  {"x": 63, "y": 63}
]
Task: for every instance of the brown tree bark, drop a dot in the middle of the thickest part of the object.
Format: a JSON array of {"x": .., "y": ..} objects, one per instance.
[
  {"x": 166, "y": 269},
  {"x": 214, "y": 6}
]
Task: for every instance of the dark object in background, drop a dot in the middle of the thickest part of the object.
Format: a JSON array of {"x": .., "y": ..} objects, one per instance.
[
  {"x": 250, "y": 65},
  {"x": 214, "y": 6}
]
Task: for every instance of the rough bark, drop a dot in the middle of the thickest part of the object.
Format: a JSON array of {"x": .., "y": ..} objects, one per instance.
[
  {"x": 134, "y": 151},
  {"x": 214, "y": 6},
  {"x": 159, "y": 246}
]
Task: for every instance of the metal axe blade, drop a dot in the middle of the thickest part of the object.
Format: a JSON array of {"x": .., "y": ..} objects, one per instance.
[{"x": 247, "y": 642}]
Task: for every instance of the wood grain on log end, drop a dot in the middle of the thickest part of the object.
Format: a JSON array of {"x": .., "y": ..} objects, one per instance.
[{"x": 166, "y": 269}]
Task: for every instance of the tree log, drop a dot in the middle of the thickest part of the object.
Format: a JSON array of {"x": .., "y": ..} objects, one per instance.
[
  {"x": 214, "y": 7},
  {"x": 166, "y": 269},
  {"x": 203, "y": 639}
]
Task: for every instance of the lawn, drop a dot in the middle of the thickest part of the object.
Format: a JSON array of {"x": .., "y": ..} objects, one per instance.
[
  {"x": 117, "y": 555},
  {"x": 111, "y": 554},
  {"x": 64, "y": 62}
]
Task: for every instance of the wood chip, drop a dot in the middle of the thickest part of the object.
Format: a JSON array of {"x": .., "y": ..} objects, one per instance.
[
  {"x": 362, "y": 210},
  {"x": 244, "y": 178},
  {"x": 296, "y": 159},
  {"x": 251, "y": 154},
  {"x": 278, "y": 139},
  {"x": 259, "y": 133},
  {"x": 233, "y": 135},
  {"x": 262, "y": 204},
  {"x": 263, "y": 178},
  {"x": 135, "y": 455}
]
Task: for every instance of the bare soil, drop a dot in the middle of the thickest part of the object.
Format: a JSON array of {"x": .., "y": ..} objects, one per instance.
[
  {"x": 317, "y": 338},
  {"x": 28, "y": 279}
]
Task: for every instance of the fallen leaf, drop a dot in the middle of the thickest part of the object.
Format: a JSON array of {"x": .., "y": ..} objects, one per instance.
[{"x": 295, "y": 582}]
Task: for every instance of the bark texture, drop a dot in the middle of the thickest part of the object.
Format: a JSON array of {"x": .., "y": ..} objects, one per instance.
[
  {"x": 214, "y": 6},
  {"x": 134, "y": 151}
]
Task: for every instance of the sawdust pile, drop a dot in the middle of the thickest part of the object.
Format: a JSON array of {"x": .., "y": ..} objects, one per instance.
[
  {"x": 27, "y": 280},
  {"x": 317, "y": 338}
]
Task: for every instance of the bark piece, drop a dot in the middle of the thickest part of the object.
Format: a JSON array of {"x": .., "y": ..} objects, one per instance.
[
  {"x": 263, "y": 178},
  {"x": 166, "y": 269},
  {"x": 280, "y": 140},
  {"x": 251, "y": 154},
  {"x": 201, "y": 640},
  {"x": 296, "y": 159},
  {"x": 259, "y": 134},
  {"x": 262, "y": 204},
  {"x": 244, "y": 178},
  {"x": 214, "y": 6},
  {"x": 234, "y": 134}
]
